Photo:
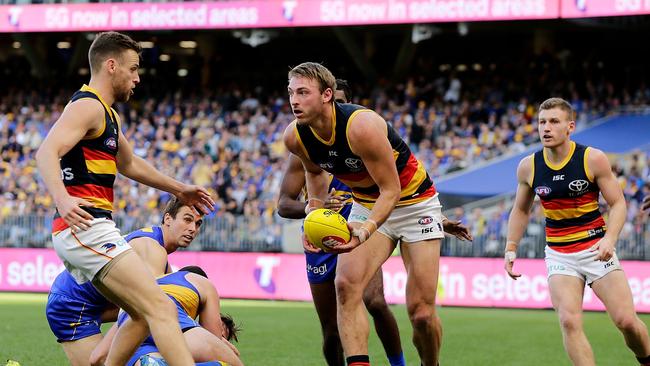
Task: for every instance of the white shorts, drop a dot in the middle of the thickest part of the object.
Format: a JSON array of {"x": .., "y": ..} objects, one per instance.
[
  {"x": 86, "y": 252},
  {"x": 417, "y": 222},
  {"x": 580, "y": 264}
]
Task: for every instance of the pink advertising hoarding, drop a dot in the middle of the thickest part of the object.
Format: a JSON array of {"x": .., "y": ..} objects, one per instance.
[
  {"x": 601, "y": 8},
  {"x": 479, "y": 282},
  {"x": 263, "y": 14}
]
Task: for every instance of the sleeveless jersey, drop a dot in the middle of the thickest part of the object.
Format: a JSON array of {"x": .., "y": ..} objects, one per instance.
[
  {"x": 154, "y": 232},
  {"x": 336, "y": 157},
  {"x": 181, "y": 291},
  {"x": 88, "y": 170},
  {"x": 569, "y": 197}
]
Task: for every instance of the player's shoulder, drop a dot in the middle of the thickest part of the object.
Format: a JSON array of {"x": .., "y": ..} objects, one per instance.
[
  {"x": 525, "y": 167},
  {"x": 597, "y": 161},
  {"x": 289, "y": 136},
  {"x": 85, "y": 106}
]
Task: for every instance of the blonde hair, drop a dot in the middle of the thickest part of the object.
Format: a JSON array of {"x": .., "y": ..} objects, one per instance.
[
  {"x": 315, "y": 71},
  {"x": 560, "y": 103}
]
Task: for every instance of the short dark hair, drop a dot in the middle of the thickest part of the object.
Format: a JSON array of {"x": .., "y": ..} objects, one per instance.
[
  {"x": 194, "y": 269},
  {"x": 560, "y": 103},
  {"x": 110, "y": 44},
  {"x": 342, "y": 85},
  {"x": 231, "y": 326},
  {"x": 172, "y": 207}
]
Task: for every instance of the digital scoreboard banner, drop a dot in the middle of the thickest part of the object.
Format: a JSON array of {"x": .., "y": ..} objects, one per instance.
[
  {"x": 263, "y": 14},
  {"x": 475, "y": 282}
]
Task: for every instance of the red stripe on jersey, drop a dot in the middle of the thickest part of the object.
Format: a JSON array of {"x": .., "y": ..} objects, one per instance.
[
  {"x": 59, "y": 224},
  {"x": 562, "y": 203},
  {"x": 595, "y": 224},
  {"x": 574, "y": 248},
  {"x": 91, "y": 154},
  {"x": 429, "y": 192},
  {"x": 91, "y": 190},
  {"x": 353, "y": 177},
  {"x": 408, "y": 171}
]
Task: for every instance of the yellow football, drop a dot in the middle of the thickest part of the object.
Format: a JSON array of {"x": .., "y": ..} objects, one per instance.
[{"x": 326, "y": 229}]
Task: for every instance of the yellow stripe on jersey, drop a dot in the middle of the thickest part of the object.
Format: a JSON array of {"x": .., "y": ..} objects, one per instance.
[
  {"x": 100, "y": 203},
  {"x": 101, "y": 166},
  {"x": 571, "y": 213},
  {"x": 416, "y": 181},
  {"x": 188, "y": 299},
  {"x": 570, "y": 237},
  {"x": 350, "y": 119},
  {"x": 564, "y": 162},
  {"x": 588, "y": 173},
  {"x": 302, "y": 145},
  {"x": 532, "y": 170},
  {"x": 330, "y": 142}
]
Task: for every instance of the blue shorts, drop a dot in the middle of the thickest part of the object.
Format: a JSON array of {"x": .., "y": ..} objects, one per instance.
[
  {"x": 321, "y": 267},
  {"x": 71, "y": 319}
]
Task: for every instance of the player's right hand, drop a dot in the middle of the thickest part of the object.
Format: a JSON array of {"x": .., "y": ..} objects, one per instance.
[
  {"x": 197, "y": 198},
  {"x": 308, "y": 246},
  {"x": 350, "y": 245},
  {"x": 71, "y": 212},
  {"x": 509, "y": 263}
]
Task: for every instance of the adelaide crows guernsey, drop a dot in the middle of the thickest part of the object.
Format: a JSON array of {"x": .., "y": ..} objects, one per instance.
[
  {"x": 88, "y": 170},
  {"x": 569, "y": 197},
  {"x": 336, "y": 157}
]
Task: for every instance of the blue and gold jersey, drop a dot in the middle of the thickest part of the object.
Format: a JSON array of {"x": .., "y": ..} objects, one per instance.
[
  {"x": 182, "y": 292},
  {"x": 343, "y": 191},
  {"x": 340, "y": 190},
  {"x": 154, "y": 232}
]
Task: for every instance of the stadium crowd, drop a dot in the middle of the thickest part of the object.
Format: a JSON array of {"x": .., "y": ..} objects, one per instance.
[{"x": 230, "y": 141}]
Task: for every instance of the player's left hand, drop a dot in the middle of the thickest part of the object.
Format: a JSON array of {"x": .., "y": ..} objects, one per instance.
[
  {"x": 457, "y": 229},
  {"x": 197, "y": 198},
  {"x": 605, "y": 248}
]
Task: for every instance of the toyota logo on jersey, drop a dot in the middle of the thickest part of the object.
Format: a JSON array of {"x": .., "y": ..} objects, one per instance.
[
  {"x": 578, "y": 185},
  {"x": 353, "y": 163}
]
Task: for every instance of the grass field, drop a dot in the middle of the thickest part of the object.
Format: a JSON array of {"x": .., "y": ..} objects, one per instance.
[{"x": 287, "y": 333}]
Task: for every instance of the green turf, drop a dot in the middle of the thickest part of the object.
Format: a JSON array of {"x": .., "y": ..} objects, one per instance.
[{"x": 287, "y": 333}]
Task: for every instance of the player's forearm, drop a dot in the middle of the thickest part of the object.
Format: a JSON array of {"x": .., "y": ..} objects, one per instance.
[
  {"x": 49, "y": 168},
  {"x": 517, "y": 224},
  {"x": 290, "y": 208},
  {"x": 384, "y": 206},
  {"x": 141, "y": 171},
  {"x": 317, "y": 184},
  {"x": 617, "y": 215}
]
